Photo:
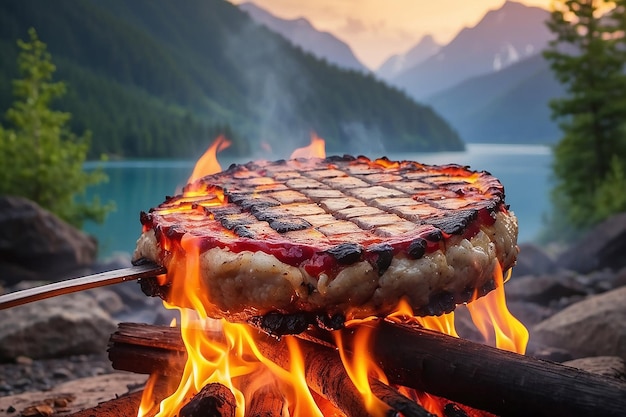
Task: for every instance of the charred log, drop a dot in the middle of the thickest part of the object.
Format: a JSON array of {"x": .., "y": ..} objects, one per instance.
[{"x": 213, "y": 400}]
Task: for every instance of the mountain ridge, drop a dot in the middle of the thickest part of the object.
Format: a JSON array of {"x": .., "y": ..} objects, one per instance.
[
  {"x": 301, "y": 32},
  {"x": 398, "y": 63},
  {"x": 520, "y": 31},
  {"x": 162, "y": 80}
]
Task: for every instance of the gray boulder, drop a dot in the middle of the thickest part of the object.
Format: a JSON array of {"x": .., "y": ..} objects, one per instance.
[
  {"x": 602, "y": 247},
  {"x": 601, "y": 365},
  {"x": 71, "y": 324},
  {"x": 35, "y": 244},
  {"x": 532, "y": 260},
  {"x": 595, "y": 326},
  {"x": 545, "y": 289}
]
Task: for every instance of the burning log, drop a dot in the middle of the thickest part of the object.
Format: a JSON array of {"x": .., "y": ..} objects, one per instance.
[
  {"x": 501, "y": 382},
  {"x": 213, "y": 400},
  {"x": 405, "y": 406},
  {"x": 265, "y": 402},
  {"x": 324, "y": 372}
]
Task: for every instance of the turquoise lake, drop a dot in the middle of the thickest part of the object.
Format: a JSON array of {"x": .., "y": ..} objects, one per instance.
[{"x": 139, "y": 185}]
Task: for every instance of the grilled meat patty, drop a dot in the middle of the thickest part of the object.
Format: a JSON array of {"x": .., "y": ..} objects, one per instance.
[{"x": 341, "y": 236}]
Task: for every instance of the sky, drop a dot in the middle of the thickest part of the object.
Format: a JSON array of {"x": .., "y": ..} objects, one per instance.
[{"x": 377, "y": 29}]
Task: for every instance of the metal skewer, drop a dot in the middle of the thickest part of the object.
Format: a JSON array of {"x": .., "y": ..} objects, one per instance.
[{"x": 102, "y": 279}]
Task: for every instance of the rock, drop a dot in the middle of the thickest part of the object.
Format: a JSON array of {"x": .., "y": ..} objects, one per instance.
[
  {"x": 547, "y": 353},
  {"x": 34, "y": 243},
  {"x": 595, "y": 326},
  {"x": 532, "y": 260},
  {"x": 612, "y": 366},
  {"x": 544, "y": 289},
  {"x": 66, "y": 325},
  {"x": 529, "y": 313},
  {"x": 602, "y": 247},
  {"x": 108, "y": 300},
  {"x": 620, "y": 278}
]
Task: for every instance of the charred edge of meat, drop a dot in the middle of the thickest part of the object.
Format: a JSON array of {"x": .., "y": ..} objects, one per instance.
[
  {"x": 262, "y": 214},
  {"x": 434, "y": 236},
  {"x": 417, "y": 248},
  {"x": 439, "y": 304},
  {"x": 337, "y": 158},
  {"x": 222, "y": 211},
  {"x": 231, "y": 223},
  {"x": 242, "y": 231},
  {"x": 445, "y": 302},
  {"x": 145, "y": 218},
  {"x": 151, "y": 288},
  {"x": 249, "y": 203},
  {"x": 334, "y": 322},
  {"x": 456, "y": 223},
  {"x": 279, "y": 324},
  {"x": 141, "y": 261},
  {"x": 346, "y": 253},
  {"x": 289, "y": 224},
  {"x": 382, "y": 256}
]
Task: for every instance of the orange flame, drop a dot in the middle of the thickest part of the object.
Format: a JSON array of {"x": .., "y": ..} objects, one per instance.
[
  {"x": 148, "y": 402},
  {"x": 491, "y": 312},
  {"x": 208, "y": 164},
  {"x": 317, "y": 149},
  {"x": 360, "y": 367}
]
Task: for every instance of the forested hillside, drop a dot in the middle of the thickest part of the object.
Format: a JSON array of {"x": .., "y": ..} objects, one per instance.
[{"x": 162, "y": 79}]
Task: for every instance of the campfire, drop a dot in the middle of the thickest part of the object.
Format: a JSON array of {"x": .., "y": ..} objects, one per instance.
[
  {"x": 268, "y": 326},
  {"x": 319, "y": 371}
]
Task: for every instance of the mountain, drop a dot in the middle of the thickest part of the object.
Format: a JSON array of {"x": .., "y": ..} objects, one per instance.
[
  {"x": 508, "y": 106},
  {"x": 162, "y": 79},
  {"x": 303, "y": 34},
  {"x": 501, "y": 38},
  {"x": 399, "y": 63}
]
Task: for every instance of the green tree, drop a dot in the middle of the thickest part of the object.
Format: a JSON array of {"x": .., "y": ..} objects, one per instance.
[
  {"x": 587, "y": 57},
  {"x": 40, "y": 158}
]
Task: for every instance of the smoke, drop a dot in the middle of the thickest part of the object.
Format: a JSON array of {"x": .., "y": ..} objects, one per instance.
[
  {"x": 367, "y": 141},
  {"x": 275, "y": 88}
]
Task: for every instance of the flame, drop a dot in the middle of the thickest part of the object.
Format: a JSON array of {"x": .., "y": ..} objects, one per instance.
[
  {"x": 317, "y": 149},
  {"x": 148, "y": 402},
  {"x": 208, "y": 164},
  {"x": 491, "y": 312},
  {"x": 360, "y": 367}
]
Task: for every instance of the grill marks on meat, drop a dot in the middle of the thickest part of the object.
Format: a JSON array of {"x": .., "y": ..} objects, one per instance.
[
  {"x": 354, "y": 195},
  {"x": 330, "y": 202}
]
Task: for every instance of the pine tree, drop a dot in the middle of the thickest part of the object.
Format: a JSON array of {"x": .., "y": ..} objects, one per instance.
[
  {"x": 587, "y": 57},
  {"x": 40, "y": 158}
]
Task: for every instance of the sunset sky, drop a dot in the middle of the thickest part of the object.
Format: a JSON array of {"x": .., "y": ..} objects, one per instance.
[{"x": 376, "y": 29}]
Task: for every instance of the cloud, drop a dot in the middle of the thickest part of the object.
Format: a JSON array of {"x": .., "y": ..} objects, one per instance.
[{"x": 355, "y": 26}]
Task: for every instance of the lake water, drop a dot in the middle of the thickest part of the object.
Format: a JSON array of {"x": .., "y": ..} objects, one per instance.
[{"x": 139, "y": 185}]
